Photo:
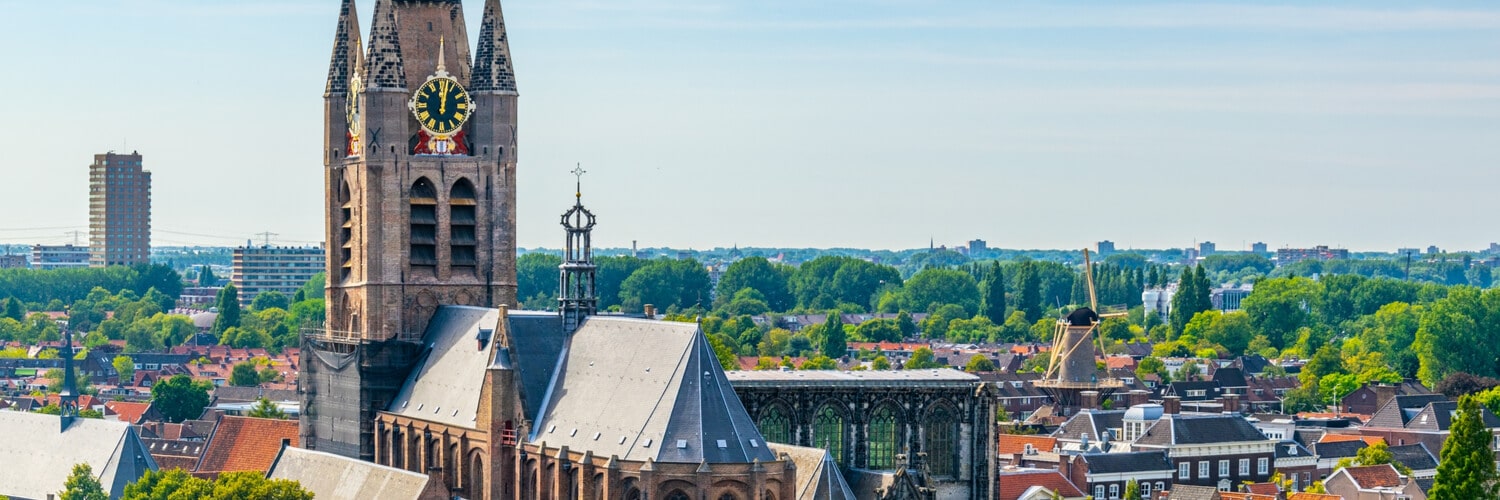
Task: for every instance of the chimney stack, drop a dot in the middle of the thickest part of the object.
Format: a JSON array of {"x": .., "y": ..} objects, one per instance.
[
  {"x": 1139, "y": 397},
  {"x": 650, "y": 311},
  {"x": 1088, "y": 400},
  {"x": 1231, "y": 403},
  {"x": 1171, "y": 405},
  {"x": 1384, "y": 393}
]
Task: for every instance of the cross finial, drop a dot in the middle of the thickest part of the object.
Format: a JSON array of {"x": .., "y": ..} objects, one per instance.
[{"x": 578, "y": 172}]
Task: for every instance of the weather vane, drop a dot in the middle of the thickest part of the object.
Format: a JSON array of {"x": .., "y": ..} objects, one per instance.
[{"x": 578, "y": 172}]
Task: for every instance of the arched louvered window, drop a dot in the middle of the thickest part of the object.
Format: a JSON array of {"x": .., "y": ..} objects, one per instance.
[
  {"x": 882, "y": 439},
  {"x": 461, "y": 224},
  {"x": 941, "y": 442},
  {"x": 423, "y": 224},
  {"x": 346, "y": 231},
  {"x": 774, "y": 425},
  {"x": 828, "y": 432}
]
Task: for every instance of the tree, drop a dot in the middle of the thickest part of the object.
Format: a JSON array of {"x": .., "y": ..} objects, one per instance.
[
  {"x": 206, "y": 276},
  {"x": 834, "y": 345},
  {"x": 82, "y": 485},
  {"x": 229, "y": 309},
  {"x": 270, "y": 300},
  {"x": 244, "y": 375},
  {"x": 1375, "y": 454},
  {"x": 979, "y": 363},
  {"x": 819, "y": 363},
  {"x": 1189, "y": 371},
  {"x": 1280, "y": 306},
  {"x": 125, "y": 367},
  {"x": 665, "y": 283},
  {"x": 761, "y": 275},
  {"x": 1466, "y": 468},
  {"x": 1458, "y": 384},
  {"x": 176, "y": 483},
  {"x": 1029, "y": 293},
  {"x": 180, "y": 398},
  {"x": 313, "y": 289},
  {"x": 879, "y": 330},
  {"x": 922, "y": 358},
  {"x": 935, "y": 287},
  {"x": 907, "y": 326},
  {"x": 1454, "y": 336},
  {"x": 880, "y": 363},
  {"x": 994, "y": 294},
  {"x": 13, "y": 309},
  {"x": 264, "y": 408},
  {"x": 1132, "y": 490},
  {"x": 537, "y": 277}
]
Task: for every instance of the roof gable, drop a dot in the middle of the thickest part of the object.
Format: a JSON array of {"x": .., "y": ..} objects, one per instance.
[
  {"x": 330, "y": 476},
  {"x": 39, "y": 455},
  {"x": 245, "y": 444},
  {"x": 640, "y": 389},
  {"x": 445, "y": 384}
]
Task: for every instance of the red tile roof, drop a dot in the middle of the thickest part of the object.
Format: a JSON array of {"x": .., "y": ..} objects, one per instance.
[
  {"x": 1263, "y": 489},
  {"x": 1236, "y": 495},
  {"x": 128, "y": 412},
  {"x": 1013, "y": 484},
  {"x": 1335, "y": 438},
  {"x": 1302, "y": 495},
  {"x": 1012, "y": 443},
  {"x": 1374, "y": 476},
  {"x": 245, "y": 444}
]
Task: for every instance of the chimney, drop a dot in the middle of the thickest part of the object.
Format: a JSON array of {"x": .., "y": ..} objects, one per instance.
[
  {"x": 1384, "y": 393},
  {"x": 1138, "y": 397},
  {"x": 650, "y": 311},
  {"x": 1088, "y": 400},
  {"x": 1231, "y": 403},
  {"x": 1171, "y": 405}
]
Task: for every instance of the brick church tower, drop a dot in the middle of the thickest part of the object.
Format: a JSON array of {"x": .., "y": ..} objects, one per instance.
[{"x": 420, "y": 171}]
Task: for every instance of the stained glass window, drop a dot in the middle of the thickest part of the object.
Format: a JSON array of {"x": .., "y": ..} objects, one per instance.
[
  {"x": 828, "y": 432},
  {"x": 882, "y": 439}
]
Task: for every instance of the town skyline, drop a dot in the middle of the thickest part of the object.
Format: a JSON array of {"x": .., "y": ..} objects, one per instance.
[{"x": 725, "y": 123}]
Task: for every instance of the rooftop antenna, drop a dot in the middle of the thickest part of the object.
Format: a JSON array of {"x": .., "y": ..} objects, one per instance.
[{"x": 75, "y": 235}]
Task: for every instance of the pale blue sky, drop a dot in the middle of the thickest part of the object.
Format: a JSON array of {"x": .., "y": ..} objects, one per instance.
[{"x": 814, "y": 124}]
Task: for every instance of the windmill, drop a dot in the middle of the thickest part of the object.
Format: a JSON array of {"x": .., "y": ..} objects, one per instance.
[{"x": 1073, "y": 378}]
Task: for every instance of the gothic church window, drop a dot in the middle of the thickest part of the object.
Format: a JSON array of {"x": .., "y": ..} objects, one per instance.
[
  {"x": 677, "y": 495},
  {"x": 828, "y": 432},
  {"x": 882, "y": 435},
  {"x": 423, "y": 224},
  {"x": 775, "y": 426},
  {"x": 461, "y": 220},
  {"x": 941, "y": 437}
]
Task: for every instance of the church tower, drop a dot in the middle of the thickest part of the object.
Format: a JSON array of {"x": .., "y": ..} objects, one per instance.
[{"x": 420, "y": 170}]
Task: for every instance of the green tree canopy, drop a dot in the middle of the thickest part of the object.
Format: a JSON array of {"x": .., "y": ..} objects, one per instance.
[
  {"x": 834, "y": 344},
  {"x": 264, "y": 408},
  {"x": 537, "y": 277},
  {"x": 759, "y": 274},
  {"x": 1466, "y": 467},
  {"x": 175, "y": 484},
  {"x": 270, "y": 300},
  {"x": 979, "y": 363},
  {"x": 206, "y": 276},
  {"x": 936, "y": 287},
  {"x": 180, "y": 398},
  {"x": 229, "y": 309},
  {"x": 922, "y": 358},
  {"x": 665, "y": 283},
  {"x": 244, "y": 375},
  {"x": 125, "y": 367},
  {"x": 1280, "y": 306},
  {"x": 82, "y": 485},
  {"x": 994, "y": 294}
]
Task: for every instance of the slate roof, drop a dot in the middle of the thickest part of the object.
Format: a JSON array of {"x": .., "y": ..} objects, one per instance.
[
  {"x": 244, "y": 444},
  {"x": 1289, "y": 449},
  {"x": 1130, "y": 462},
  {"x": 1438, "y": 416},
  {"x": 383, "y": 65},
  {"x": 1190, "y": 492},
  {"x": 1230, "y": 377},
  {"x": 1092, "y": 423},
  {"x": 818, "y": 476},
  {"x": 228, "y": 394},
  {"x": 336, "y": 477},
  {"x": 644, "y": 389},
  {"x": 1414, "y": 456},
  {"x": 1210, "y": 390},
  {"x": 1338, "y": 449},
  {"x": 1393, "y": 416},
  {"x": 445, "y": 384},
  {"x": 1179, "y": 429},
  {"x": 536, "y": 339},
  {"x": 39, "y": 455}
]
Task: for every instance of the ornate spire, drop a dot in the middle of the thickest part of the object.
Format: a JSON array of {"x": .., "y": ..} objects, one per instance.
[
  {"x": 576, "y": 296},
  {"x": 383, "y": 68},
  {"x": 347, "y": 53},
  {"x": 492, "y": 69},
  {"x": 67, "y": 398}
]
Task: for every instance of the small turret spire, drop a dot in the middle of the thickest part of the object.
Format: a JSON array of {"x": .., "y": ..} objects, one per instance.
[
  {"x": 383, "y": 66},
  {"x": 576, "y": 281},
  {"x": 67, "y": 398},
  {"x": 348, "y": 55},
  {"x": 492, "y": 65}
]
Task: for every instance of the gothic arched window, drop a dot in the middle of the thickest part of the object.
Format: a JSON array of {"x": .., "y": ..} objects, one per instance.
[
  {"x": 774, "y": 425},
  {"x": 940, "y": 445},
  {"x": 476, "y": 474},
  {"x": 346, "y": 231},
  {"x": 882, "y": 439},
  {"x": 461, "y": 220},
  {"x": 423, "y": 224},
  {"x": 828, "y": 432}
]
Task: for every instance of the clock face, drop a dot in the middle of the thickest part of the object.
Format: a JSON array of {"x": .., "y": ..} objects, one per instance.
[
  {"x": 441, "y": 105},
  {"x": 353, "y": 105}
]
